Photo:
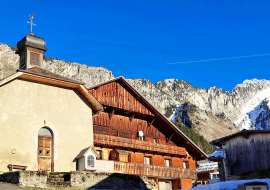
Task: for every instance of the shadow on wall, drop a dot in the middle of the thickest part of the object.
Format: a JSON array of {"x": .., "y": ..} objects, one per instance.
[{"x": 120, "y": 181}]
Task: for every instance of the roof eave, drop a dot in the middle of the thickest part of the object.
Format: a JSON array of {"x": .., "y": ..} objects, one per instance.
[{"x": 96, "y": 106}]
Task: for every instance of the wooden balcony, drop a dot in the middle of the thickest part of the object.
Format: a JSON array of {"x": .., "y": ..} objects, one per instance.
[
  {"x": 112, "y": 141},
  {"x": 154, "y": 171}
]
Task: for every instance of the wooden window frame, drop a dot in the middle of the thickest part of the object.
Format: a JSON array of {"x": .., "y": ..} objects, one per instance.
[
  {"x": 186, "y": 163},
  {"x": 150, "y": 157},
  {"x": 144, "y": 138},
  {"x": 170, "y": 162}
]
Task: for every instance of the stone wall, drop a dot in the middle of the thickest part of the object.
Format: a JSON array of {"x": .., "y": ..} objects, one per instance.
[
  {"x": 150, "y": 182},
  {"x": 25, "y": 178},
  {"x": 95, "y": 180}
]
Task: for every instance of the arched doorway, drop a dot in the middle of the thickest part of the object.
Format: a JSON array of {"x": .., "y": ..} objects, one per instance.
[{"x": 45, "y": 150}]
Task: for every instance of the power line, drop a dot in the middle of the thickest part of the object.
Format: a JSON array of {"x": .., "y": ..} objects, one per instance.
[{"x": 217, "y": 59}]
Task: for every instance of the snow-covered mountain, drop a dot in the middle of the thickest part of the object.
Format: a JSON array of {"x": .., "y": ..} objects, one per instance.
[
  {"x": 255, "y": 113},
  {"x": 212, "y": 112}
]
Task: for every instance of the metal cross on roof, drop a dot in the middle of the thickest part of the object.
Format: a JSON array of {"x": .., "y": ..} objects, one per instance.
[{"x": 31, "y": 23}]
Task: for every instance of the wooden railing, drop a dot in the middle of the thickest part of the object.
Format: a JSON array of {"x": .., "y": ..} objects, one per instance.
[
  {"x": 138, "y": 145},
  {"x": 154, "y": 171}
]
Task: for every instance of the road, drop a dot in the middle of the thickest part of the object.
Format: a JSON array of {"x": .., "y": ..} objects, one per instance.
[{"x": 9, "y": 186}]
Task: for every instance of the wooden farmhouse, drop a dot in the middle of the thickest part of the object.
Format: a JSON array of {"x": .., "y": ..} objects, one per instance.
[
  {"x": 46, "y": 120},
  {"x": 132, "y": 137},
  {"x": 245, "y": 155}
]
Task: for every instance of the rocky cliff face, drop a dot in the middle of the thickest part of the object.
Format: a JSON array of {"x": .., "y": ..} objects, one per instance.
[
  {"x": 9, "y": 63},
  {"x": 212, "y": 112},
  {"x": 216, "y": 112}
]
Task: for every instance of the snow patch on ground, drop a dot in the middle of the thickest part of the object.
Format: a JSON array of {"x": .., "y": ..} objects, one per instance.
[
  {"x": 252, "y": 109},
  {"x": 228, "y": 185}
]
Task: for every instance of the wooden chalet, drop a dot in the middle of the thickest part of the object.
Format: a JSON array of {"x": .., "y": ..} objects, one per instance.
[{"x": 140, "y": 140}]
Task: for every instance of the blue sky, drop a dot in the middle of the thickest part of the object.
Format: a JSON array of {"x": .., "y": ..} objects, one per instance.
[{"x": 138, "y": 38}]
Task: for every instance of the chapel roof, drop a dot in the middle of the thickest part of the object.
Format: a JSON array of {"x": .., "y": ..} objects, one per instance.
[
  {"x": 46, "y": 73},
  {"x": 85, "y": 151},
  {"x": 33, "y": 41},
  {"x": 42, "y": 76}
]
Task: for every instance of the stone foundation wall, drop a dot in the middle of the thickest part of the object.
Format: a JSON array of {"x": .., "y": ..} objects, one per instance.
[
  {"x": 150, "y": 182},
  {"x": 106, "y": 180},
  {"x": 25, "y": 178}
]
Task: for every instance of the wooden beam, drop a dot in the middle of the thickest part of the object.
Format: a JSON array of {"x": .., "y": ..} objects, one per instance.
[
  {"x": 170, "y": 137},
  {"x": 151, "y": 122},
  {"x": 132, "y": 117},
  {"x": 111, "y": 114}
]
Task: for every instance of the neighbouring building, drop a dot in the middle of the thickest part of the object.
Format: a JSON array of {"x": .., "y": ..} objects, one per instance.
[
  {"x": 132, "y": 137},
  {"x": 46, "y": 120},
  {"x": 207, "y": 172},
  {"x": 243, "y": 155}
]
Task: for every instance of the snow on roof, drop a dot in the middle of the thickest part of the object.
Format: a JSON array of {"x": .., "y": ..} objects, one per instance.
[
  {"x": 228, "y": 185},
  {"x": 216, "y": 155},
  {"x": 207, "y": 167}
]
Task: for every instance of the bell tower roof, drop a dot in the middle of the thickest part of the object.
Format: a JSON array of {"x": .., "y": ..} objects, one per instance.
[
  {"x": 33, "y": 41},
  {"x": 31, "y": 49}
]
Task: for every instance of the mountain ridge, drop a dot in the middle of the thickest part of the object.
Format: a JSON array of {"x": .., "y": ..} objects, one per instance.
[{"x": 212, "y": 112}]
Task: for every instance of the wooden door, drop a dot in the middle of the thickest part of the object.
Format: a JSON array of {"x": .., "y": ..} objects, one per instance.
[{"x": 44, "y": 153}]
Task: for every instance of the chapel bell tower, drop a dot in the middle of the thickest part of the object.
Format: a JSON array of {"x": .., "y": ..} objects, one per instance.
[{"x": 31, "y": 49}]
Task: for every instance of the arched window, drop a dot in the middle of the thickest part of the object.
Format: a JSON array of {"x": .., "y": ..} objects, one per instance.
[
  {"x": 90, "y": 161},
  {"x": 44, "y": 132}
]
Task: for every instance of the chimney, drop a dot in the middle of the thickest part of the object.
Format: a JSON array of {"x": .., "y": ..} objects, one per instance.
[{"x": 30, "y": 50}]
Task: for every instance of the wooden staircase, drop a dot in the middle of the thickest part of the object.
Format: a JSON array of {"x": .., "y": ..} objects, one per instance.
[{"x": 58, "y": 179}]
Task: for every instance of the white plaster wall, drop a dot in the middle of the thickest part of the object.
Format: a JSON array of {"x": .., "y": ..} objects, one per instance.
[
  {"x": 105, "y": 165},
  {"x": 25, "y": 107},
  {"x": 81, "y": 164}
]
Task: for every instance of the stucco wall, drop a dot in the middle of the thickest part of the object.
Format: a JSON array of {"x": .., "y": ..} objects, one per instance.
[{"x": 25, "y": 107}]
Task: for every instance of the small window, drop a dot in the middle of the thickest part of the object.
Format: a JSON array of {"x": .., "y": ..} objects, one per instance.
[
  {"x": 147, "y": 160},
  {"x": 155, "y": 140},
  {"x": 144, "y": 138},
  {"x": 168, "y": 162},
  {"x": 185, "y": 165},
  {"x": 90, "y": 161}
]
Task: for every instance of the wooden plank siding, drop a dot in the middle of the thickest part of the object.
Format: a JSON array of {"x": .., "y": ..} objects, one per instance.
[
  {"x": 127, "y": 127},
  {"x": 252, "y": 153},
  {"x": 137, "y": 158},
  {"x": 158, "y": 160},
  {"x": 113, "y": 94},
  {"x": 186, "y": 183}
]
